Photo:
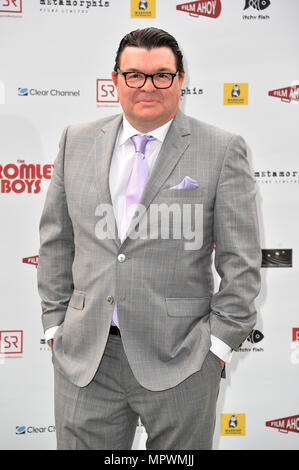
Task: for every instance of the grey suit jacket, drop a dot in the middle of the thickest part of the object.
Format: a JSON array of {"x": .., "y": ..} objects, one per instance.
[{"x": 167, "y": 307}]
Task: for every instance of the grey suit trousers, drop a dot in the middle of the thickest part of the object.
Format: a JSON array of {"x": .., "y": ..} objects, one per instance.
[{"x": 104, "y": 414}]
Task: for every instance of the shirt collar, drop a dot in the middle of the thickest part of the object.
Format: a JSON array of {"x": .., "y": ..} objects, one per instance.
[{"x": 127, "y": 131}]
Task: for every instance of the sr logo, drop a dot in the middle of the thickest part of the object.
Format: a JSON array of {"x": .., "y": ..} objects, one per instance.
[
  {"x": 106, "y": 91},
  {"x": 11, "y": 342},
  {"x": 11, "y": 6}
]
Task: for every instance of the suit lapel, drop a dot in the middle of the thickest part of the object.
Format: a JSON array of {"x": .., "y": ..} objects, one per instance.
[
  {"x": 175, "y": 144},
  {"x": 105, "y": 143}
]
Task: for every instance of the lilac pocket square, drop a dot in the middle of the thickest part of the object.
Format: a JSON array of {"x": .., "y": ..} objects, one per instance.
[{"x": 187, "y": 183}]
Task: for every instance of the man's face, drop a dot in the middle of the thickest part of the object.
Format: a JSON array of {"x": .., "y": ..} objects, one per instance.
[{"x": 147, "y": 108}]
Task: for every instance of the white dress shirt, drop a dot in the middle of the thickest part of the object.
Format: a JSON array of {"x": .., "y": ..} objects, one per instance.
[{"x": 121, "y": 166}]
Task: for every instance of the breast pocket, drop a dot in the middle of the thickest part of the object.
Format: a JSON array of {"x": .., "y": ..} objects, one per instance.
[
  {"x": 185, "y": 193},
  {"x": 179, "y": 212}
]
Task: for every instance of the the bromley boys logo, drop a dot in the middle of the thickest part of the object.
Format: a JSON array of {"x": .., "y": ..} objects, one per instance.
[
  {"x": 25, "y": 177},
  {"x": 286, "y": 94},
  {"x": 289, "y": 424},
  {"x": 210, "y": 8}
]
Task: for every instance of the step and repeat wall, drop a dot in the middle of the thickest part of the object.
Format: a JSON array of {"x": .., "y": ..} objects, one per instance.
[{"x": 242, "y": 71}]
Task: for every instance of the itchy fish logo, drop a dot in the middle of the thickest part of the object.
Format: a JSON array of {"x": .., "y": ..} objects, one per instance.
[
  {"x": 260, "y": 6},
  {"x": 210, "y": 8},
  {"x": 255, "y": 337},
  {"x": 257, "y": 4}
]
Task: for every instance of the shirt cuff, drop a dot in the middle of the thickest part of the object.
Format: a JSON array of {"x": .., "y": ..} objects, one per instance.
[
  {"x": 221, "y": 349},
  {"x": 50, "y": 332}
]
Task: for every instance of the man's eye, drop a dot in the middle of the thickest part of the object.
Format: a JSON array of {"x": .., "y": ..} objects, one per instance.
[{"x": 135, "y": 75}]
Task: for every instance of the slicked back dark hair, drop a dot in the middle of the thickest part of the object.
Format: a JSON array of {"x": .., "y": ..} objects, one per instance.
[{"x": 150, "y": 38}]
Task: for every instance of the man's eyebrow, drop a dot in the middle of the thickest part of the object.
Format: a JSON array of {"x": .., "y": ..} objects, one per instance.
[{"x": 162, "y": 69}]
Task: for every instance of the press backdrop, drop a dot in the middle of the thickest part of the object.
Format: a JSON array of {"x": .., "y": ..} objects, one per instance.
[{"x": 241, "y": 59}]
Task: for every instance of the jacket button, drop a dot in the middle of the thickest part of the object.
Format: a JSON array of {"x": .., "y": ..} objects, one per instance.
[
  {"x": 110, "y": 299},
  {"x": 121, "y": 258}
]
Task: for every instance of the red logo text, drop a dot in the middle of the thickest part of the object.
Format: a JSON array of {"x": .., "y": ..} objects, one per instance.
[
  {"x": 24, "y": 177},
  {"x": 11, "y": 342},
  {"x": 211, "y": 8}
]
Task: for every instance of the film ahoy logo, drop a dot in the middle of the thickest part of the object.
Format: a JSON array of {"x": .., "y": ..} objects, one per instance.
[
  {"x": 11, "y": 6},
  {"x": 106, "y": 92},
  {"x": 285, "y": 425},
  {"x": 11, "y": 342},
  {"x": 287, "y": 94},
  {"x": 23, "y": 177},
  {"x": 33, "y": 260},
  {"x": 210, "y": 8}
]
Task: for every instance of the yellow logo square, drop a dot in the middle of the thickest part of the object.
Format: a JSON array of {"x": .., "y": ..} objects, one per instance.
[
  {"x": 235, "y": 94},
  {"x": 233, "y": 424},
  {"x": 143, "y": 8}
]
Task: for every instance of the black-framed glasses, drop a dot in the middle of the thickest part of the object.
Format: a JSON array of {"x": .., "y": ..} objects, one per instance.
[{"x": 160, "y": 80}]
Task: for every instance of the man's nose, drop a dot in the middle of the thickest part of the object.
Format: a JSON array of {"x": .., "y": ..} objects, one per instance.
[{"x": 148, "y": 86}]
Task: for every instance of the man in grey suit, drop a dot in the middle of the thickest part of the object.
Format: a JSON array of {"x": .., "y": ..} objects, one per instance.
[{"x": 135, "y": 207}]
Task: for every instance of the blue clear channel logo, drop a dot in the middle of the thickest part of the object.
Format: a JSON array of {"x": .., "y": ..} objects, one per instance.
[
  {"x": 34, "y": 429},
  {"x": 23, "y": 91},
  {"x": 20, "y": 429}
]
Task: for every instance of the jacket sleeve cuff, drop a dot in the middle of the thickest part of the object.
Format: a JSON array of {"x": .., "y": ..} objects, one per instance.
[
  {"x": 50, "y": 332},
  {"x": 221, "y": 349}
]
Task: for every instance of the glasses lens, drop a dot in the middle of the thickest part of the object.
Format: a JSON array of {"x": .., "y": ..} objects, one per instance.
[
  {"x": 135, "y": 79},
  {"x": 162, "y": 80}
]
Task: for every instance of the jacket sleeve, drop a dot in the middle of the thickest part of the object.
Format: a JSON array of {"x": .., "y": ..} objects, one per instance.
[
  {"x": 238, "y": 253},
  {"x": 56, "y": 253}
]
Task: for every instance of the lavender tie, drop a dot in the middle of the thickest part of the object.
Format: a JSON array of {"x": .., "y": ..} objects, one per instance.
[{"x": 135, "y": 186}]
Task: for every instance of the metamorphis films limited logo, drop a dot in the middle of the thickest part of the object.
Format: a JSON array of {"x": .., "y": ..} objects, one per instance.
[
  {"x": 72, "y": 6},
  {"x": 210, "y": 8}
]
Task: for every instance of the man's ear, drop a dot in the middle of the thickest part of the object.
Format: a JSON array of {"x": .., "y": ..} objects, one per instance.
[
  {"x": 114, "y": 77},
  {"x": 181, "y": 78}
]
